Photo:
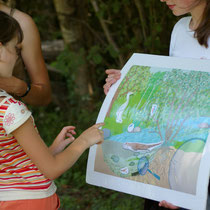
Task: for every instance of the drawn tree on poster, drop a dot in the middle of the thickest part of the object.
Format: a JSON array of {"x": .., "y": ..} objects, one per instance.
[
  {"x": 177, "y": 94},
  {"x": 135, "y": 80},
  {"x": 202, "y": 98},
  {"x": 148, "y": 97},
  {"x": 181, "y": 99}
]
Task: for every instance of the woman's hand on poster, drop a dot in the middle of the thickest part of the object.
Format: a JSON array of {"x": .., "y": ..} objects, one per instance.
[
  {"x": 113, "y": 76},
  {"x": 168, "y": 205},
  {"x": 64, "y": 138}
]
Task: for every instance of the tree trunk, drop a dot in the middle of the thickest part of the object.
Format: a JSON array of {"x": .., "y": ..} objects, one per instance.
[
  {"x": 107, "y": 33},
  {"x": 11, "y": 3},
  {"x": 71, "y": 14},
  {"x": 141, "y": 17}
]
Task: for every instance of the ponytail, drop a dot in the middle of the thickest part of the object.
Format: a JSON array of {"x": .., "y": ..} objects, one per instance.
[{"x": 202, "y": 33}]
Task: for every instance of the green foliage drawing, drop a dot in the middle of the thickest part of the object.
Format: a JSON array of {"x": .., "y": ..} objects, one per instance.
[{"x": 169, "y": 109}]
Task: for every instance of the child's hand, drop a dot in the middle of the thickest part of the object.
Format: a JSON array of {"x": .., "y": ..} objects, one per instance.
[
  {"x": 92, "y": 135},
  {"x": 64, "y": 138},
  {"x": 165, "y": 204},
  {"x": 113, "y": 76}
]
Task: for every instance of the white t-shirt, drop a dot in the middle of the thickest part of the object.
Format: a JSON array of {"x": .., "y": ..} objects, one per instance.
[{"x": 183, "y": 44}]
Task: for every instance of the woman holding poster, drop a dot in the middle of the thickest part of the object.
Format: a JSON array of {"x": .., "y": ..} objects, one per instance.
[{"x": 190, "y": 39}]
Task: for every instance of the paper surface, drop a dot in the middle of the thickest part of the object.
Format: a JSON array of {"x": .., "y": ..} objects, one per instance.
[{"x": 157, "y": 121}]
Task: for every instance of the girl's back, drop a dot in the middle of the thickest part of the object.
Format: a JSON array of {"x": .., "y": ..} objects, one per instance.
[{"x": 17, "y": 172}]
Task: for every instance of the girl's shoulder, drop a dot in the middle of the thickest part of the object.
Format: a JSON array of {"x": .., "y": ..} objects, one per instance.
[
  {"x": 183, "y": 23},
  {"x": 13, "y": 112},
  {"x": 3, "y": 96},
  {"x": 6, "y": 98},
  {"x": 29, "y": 28},
  {"x": 26, "y": 22}
]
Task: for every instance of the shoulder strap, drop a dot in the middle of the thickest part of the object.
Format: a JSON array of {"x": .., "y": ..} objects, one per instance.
[{"x": 12, "y": 11}]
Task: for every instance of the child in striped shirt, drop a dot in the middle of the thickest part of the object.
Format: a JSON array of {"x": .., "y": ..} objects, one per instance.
[{"x": 27, "y": 165}]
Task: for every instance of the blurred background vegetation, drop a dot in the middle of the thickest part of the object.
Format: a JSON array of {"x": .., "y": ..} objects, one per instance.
[{"x": 97, "y": 35}]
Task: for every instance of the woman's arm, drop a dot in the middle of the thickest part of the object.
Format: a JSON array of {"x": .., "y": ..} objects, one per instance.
[
  {"x": 40, "y": 93},
  {"x": 50, "y": 165}
]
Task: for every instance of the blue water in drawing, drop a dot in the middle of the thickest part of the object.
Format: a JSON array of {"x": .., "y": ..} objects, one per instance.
[
  {"x": 190, "y": 129},
  {"x": 144, "y": 136}
]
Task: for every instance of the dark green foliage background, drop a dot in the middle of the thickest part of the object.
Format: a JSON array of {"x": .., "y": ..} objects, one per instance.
[{"x": 130, "y": 35}]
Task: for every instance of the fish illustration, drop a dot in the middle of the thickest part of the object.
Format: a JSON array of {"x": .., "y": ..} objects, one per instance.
[{"x": 139, "y": 147}]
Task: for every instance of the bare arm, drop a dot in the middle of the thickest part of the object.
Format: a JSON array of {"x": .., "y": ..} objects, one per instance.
[
  {"x": 50, "y": 165},
  {"x": 40, "y": 93},
  {"x": 64, "y": 138}
]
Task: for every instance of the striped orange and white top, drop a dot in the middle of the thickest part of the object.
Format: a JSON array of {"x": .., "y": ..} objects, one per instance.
[{"x": 19, "y": 177}]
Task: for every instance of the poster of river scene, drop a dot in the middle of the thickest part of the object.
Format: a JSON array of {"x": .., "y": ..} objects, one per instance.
[{"x": 157, "y": 123}]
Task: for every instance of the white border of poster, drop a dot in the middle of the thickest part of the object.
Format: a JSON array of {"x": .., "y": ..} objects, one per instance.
[{"x": 120, "y": 184}]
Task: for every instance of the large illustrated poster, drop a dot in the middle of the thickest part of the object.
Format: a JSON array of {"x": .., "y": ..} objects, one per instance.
[{"x": 157, "y": 120}]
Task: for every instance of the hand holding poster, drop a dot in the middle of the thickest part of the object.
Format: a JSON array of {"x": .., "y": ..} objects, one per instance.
[{"x": 156, "y": 131}]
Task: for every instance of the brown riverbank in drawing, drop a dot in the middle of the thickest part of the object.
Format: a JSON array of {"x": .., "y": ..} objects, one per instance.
[{"x": 159, "y": 165}]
